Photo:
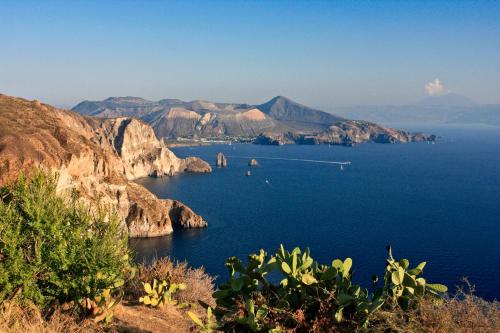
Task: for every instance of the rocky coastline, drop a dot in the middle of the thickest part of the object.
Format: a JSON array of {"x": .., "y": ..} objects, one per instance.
[
  {"x": 99, "y": 158},
  {"x": 346, "y": 133}
]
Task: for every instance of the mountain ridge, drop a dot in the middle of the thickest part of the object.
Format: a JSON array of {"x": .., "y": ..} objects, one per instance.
[{"x": 173, "y": 118}]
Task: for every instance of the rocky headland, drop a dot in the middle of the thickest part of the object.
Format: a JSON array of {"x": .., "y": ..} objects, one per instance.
[
  {"x": 346, "y": 133},
  {"x": 99, "y": 158}
]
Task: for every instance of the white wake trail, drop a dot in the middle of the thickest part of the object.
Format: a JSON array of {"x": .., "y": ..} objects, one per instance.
[{"x": 293, "y": 159}]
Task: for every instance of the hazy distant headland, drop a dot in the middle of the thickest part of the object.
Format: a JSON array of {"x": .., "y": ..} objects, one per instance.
[{"x": 443, "y": 109}]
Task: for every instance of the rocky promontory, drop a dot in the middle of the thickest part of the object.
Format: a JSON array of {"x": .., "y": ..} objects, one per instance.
[
  {"x": 345, "y": 133},
  {"x": 196, "y": 165},
  {"x": 98, "y": 157}
]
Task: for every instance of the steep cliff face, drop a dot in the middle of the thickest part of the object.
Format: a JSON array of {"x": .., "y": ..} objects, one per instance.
[
  {"x": 141, "y": 153},
  {"x": 99, "y": 158}
]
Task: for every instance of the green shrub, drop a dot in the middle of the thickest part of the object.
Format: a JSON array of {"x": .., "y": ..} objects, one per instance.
[
  {"x": 57, "y": 250},
  {"x": 310, "y": 295}
]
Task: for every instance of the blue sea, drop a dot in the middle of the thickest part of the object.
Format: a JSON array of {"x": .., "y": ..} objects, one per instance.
[{"x": 438, "y": 203}]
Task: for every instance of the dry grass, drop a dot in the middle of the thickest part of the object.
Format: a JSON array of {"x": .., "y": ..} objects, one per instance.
[
  {"x": 137, "y": 318},
  {"x": 29, "y": 319},
  {"x": 200, "y": 285},
  {"x": 127, "y": 319},
  {"x": 464, "y": 313}
]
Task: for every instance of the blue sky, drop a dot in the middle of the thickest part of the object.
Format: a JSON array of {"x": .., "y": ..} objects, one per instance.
[{"x": 321, "y": 53}]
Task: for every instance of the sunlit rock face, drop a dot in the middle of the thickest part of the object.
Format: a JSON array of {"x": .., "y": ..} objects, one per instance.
[{"x": 98, "y": 157}]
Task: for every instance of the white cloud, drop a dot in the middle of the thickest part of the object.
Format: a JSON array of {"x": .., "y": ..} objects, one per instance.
[{"x": 435, "y": 88}]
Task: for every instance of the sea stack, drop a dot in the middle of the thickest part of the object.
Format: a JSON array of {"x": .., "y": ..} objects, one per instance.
[
  {"x": 171, "y": 172},
  {"x": 253, "y": 162},
  {"x": 221, "y": 161}
]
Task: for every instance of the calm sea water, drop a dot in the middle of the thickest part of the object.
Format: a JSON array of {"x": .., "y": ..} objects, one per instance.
[{"x": 436, "y": 203}]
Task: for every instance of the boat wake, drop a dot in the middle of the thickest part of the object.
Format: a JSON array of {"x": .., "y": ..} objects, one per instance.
[{"x": 293, "y": 159}]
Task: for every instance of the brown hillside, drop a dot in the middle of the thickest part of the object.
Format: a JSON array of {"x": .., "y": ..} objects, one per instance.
[{"x": 98, "y": 157}]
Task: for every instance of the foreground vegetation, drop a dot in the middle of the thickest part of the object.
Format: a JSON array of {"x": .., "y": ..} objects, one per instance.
[{"x": 66, "y": 268}]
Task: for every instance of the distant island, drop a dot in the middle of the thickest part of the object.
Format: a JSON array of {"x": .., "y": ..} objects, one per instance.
[
  {"x": 278, "y": 121},
  {"x": 450, "y": 108}
]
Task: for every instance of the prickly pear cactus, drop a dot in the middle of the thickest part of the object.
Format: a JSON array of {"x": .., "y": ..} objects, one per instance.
[
  {"x": 101, "y": 306},
  {"x": 404, "y": 286},
  {"x": 160, "y": 293},
  {"x": 253, "y": 301}
]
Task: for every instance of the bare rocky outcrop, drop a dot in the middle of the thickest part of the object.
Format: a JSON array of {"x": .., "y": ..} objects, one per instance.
[
  {"x": 194, "y": 164},
  {"x": 98, "y": 157},
  {"x": 148, "y": 216},
  {"x": 253, "y": 162},
  {"x": 221, "y": 160}
]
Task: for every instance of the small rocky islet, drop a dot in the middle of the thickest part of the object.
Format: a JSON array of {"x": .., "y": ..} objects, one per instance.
[{"x": 253, "y": 163}]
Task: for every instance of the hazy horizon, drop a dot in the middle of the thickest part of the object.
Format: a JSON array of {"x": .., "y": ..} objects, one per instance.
[{"x": 318, "y": 53}]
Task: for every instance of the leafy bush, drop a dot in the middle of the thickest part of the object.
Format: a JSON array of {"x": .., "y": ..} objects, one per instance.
[
  {"x": 309, "y": 292},
  {"x": 56, "y": 250}
]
